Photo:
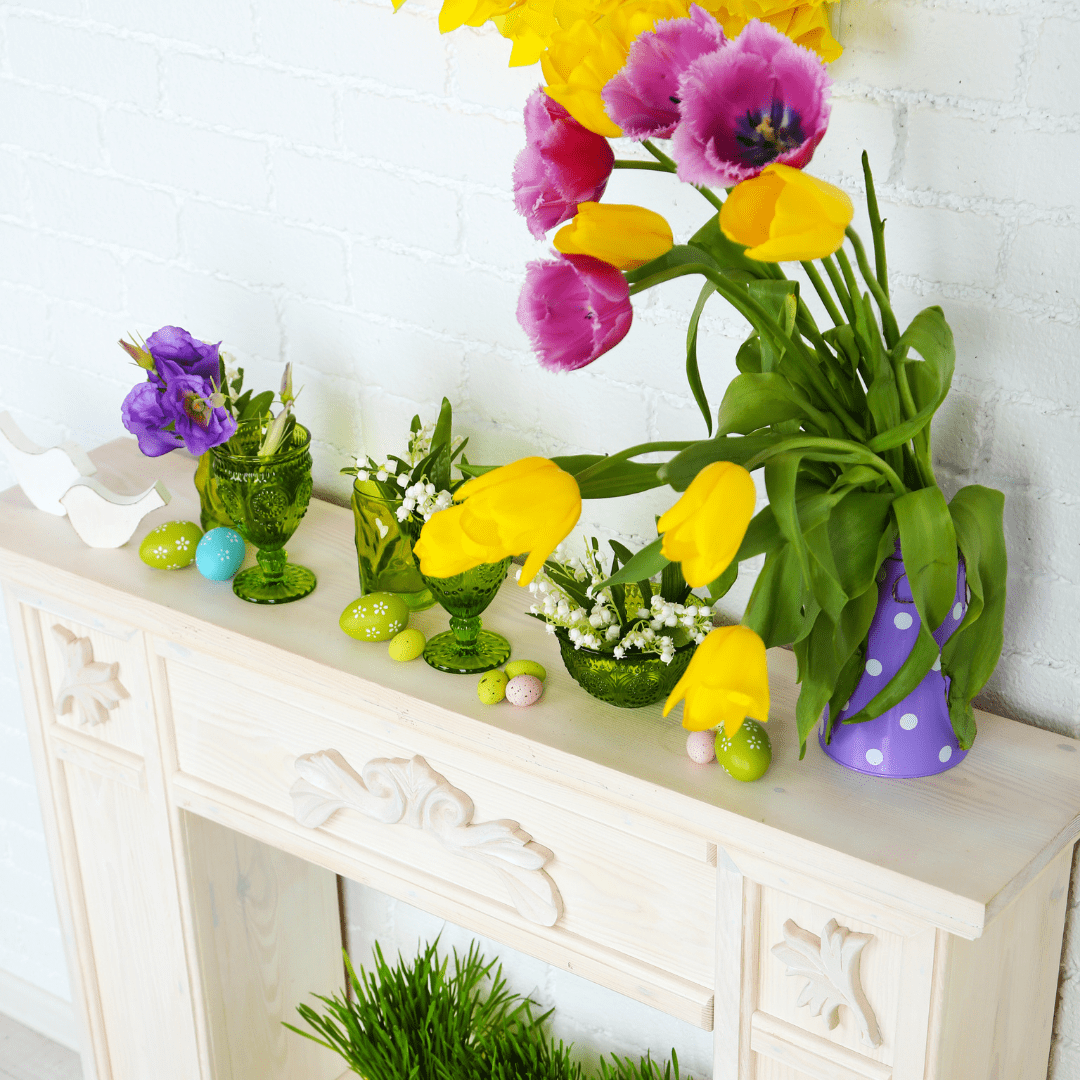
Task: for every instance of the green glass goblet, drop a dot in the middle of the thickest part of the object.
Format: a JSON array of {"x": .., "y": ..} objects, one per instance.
[
  {"x": 466, "y": 648},
  {"x": 266, "y": 497}
]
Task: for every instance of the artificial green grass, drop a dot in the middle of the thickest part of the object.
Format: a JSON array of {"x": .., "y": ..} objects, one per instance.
[{"x": 430, "y": 1019}]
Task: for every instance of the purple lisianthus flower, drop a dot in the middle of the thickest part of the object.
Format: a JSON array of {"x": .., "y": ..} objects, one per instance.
[
  {"x": 194, "y": 357},
  {"x": 643, "y": 97},
  {"x": 563, "y": 164},
  {"x": 144, "y": 416},
  {"x": 758, "y": 100},
  {"x": 574, "y": 309},
  {"x": 185, "y": 402}
]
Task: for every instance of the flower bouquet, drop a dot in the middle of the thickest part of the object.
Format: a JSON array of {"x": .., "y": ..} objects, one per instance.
[
  {"x": 833, "y": 401},
  {"x": 193, "y": 398}
]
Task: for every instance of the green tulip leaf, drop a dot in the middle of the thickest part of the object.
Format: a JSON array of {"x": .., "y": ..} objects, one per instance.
[
  {"x": 748, "y": 358},
  {"x": 685, "y": 465},
  {"x": 970, "y": 655},
  {"x": 725, "y": 253},
  {"x": 928, "y": 545},
  {"x": 600, "y": 481},
  {"x": 861, "y": 536},
  {"x": 911, "y": 673},
  {"x": 645, "y": 564},
  {"x": 752, "y": 402},
  {"x": 929, "y": 379},
  {"x": 781, "y": 474},
  {"x": 693, "y": 376},
  {"x": 722, "y": 585},
  {"x": 781, "y": 609}
]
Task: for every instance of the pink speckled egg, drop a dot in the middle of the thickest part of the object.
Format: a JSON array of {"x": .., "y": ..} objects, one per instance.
[
  {"x": 524, "y": 690},
  {"x": 701, "y": 746}
]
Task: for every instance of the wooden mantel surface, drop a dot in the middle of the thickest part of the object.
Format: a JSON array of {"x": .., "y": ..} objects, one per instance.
[{"x": 952, "y": 849}]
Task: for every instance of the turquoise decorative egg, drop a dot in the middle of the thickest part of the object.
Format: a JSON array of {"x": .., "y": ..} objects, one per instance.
[
  {"x": 170, "y": 546},
  {"x": 407, "y": 645},
  {"x": 747, "y": 754},
  {"x": 220, "y": 553},
  {"x": 378, "y": 616}
]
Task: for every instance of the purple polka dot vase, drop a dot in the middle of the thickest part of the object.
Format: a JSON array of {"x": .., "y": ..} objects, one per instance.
[{"x": 915, "y": 737}]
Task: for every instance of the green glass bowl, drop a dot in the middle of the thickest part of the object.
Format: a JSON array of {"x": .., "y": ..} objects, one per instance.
[{"x": 637, "y": 680}]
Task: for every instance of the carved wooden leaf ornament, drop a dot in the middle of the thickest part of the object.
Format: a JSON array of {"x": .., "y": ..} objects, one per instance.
[
  {"x": 88, "y": 685},
  {"x": 830, "y": 964},
  {"x": 409, "y": 790}
]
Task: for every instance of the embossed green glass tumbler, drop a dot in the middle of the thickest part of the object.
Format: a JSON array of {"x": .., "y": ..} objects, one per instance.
[
  {"x": 466, "y": 648},
  {"x": 266, "y": 497}
]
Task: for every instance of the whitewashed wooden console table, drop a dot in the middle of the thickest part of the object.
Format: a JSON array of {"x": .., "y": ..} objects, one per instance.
[{"x": 206, "y": 767}]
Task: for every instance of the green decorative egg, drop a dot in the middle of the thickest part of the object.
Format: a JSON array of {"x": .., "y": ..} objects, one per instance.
[
  {"x": 378, "y": 616},
  {"x": 408, "y": 645},
  {"x": 525, "y": 667},
  {"x": 747, "y": 754},
  {"x": 170, "y": 546},
  {"x": 491, "y": 688}
]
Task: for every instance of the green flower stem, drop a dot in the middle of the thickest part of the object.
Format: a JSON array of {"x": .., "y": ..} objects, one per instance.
[
  {"x": 709, "y": 195},
  {"x": 624, "y": 455},
  {"x": 826, "y": 298},
  {"x": 758, "y": 317},
  {"x": 877, "y": 226},
  {"x": 849, "y": 277},
  {"x": 839, "y": 288},
  {"x": 840, "y": 446},
  {"x": 659, "y": 154},
  {"x": 888, "y": 319},
  {"x": 840, "y": 379},
  {"x": 651, "y": 166}
]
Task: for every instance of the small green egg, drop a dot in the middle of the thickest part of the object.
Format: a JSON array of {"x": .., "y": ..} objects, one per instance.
[
  {"x": 491, "y": 688},
  {"x": 170, "y": 546},
  {"x": 747, "y": 754},
  {"x": 378, "y": 616},
  {"x": 407, "y": 645},
  {"x": 525, "y": 667}
]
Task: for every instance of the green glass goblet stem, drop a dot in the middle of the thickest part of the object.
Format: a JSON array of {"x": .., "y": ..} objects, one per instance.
[
  {"x": 266, "y": 497},
  {"x": 466, "y": 648}
]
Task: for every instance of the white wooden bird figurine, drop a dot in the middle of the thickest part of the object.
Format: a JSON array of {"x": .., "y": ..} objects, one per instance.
[
  {"x": 104, "y": 519},
  {"x": 44, "y": 474}
]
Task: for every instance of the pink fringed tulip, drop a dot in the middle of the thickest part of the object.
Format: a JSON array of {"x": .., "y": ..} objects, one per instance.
[
  {"x": 574, "y": 309},
  {"x": 758, "y": 100},
  {"x": 563, "y": 164},
  {"x": 643, "y": 98}
]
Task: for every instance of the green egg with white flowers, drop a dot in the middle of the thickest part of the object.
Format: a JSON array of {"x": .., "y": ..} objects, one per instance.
[
  {"x": 171, "y": 546},
  {"x": 746, "y": 756},
  {"x": 378, "y": 616}
]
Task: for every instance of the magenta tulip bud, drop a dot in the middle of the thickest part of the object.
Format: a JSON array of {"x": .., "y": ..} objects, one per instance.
[
  {"x": 563, "y": 164},
  {"x": 643, "y": 98},
  {"x": 574, "y": 309}
]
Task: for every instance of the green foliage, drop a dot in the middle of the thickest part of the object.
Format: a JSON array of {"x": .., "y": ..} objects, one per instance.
[
  {"x": 839, "y": 421},
  {"x": 430, "y": 1019}
]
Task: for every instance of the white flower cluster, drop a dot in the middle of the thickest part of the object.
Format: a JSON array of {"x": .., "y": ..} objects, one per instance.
[
  {"x": 422, "y": 499},
  {"x": 651, "y": 629},
  {"x": 420, "y": 444},
  {"x": 368, "y": 469}
]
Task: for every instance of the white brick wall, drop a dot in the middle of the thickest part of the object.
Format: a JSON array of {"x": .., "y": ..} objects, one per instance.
[{"x": 328, "y": 182}]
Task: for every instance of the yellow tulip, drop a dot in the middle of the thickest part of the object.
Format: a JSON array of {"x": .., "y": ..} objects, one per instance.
[
  {"x": 704, "y": 529},
  {"x": 625, "y": 236},
  {"x": 455, "y": 13},
  {"x": 727, "y": 681},
  {"x": 807, "y": 23},
  {"x": 528, "y": 506},
  {"x": 580, "y": 59},
  {"x": 783, "y": 214}
]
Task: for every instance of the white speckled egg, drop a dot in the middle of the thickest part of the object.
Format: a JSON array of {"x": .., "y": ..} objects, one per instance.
[
  {"x": 378, "y": 616},
  {"x": 220, "y": 553},
  {"x": 170, "y": 546},
  {"x": 524, "y": 690},
  {"x": 701, "y": 746}
]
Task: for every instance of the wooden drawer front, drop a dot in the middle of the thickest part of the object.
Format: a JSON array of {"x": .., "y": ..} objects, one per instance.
[
  {"x": 245, "y": 736},
  {"x": 880, "y": 979},
  {"x": 95, "y": 669}
]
